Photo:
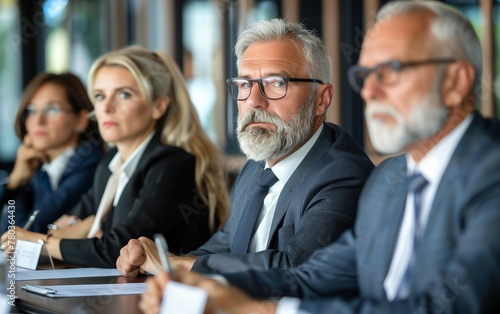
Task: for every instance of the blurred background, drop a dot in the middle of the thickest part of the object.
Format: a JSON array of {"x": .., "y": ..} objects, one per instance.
[{"x": 67, "y": 35}]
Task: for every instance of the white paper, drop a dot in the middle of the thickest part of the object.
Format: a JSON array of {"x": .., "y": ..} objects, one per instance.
[
  {"x": 67, "y": 273},
  {"x": 67, "y": 291},
  {"x": 181, "y": 298},
  {"x": 27, "y": 254}
]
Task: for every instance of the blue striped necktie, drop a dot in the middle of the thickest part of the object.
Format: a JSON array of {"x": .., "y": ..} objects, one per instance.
[{"x": 417, "y": 185}]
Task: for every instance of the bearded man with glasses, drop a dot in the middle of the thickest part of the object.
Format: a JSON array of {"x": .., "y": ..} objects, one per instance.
[
  {"x": 283, "y": 92},
  {"x": 426, "y": 235}
]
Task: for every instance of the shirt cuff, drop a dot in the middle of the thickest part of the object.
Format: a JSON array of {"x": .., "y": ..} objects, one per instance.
[
  {"x": 288, "y": 306},
  {"x": 219, "y": 278}
]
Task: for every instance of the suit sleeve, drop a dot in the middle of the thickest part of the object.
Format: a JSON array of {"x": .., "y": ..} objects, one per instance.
[
  {"x": 64, "y": 198},
  {"x": 53, "y": 205},
  {"x": 166, "y": 197},
  {"x": 331, "y": 270},
  {"x": 323, "y": 207}
]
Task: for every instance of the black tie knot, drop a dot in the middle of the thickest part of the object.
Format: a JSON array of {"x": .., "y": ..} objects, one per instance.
[{"x": 268, "y": 178}]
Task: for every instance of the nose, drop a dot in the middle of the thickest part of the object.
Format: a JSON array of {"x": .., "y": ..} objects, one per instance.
[
  {"x": 107, "y": 105},
  {"x": 371, "y": 89},
  {"x": 39, "y": 117},
  {"x": 256, "y": 99}
]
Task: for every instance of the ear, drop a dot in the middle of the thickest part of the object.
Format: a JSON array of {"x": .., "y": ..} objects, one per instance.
[
  {"x": 160, "y": 107},
  {"x": 457, "y": 84},
  {"x": 82, "y": 121},
  {"x": 324, "y": 96}
]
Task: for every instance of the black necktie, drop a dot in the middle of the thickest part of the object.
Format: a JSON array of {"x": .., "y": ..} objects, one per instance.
[
  {"x": 417, "y": 185},
  {"x": 249, "y": 217}
]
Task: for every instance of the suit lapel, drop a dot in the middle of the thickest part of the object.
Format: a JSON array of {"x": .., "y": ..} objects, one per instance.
[
  {"x": 388, "y": 196},
  {"x": 442, "y": 197},
  {"x": 128, "y": 194},
  {"x": 323, "y": 143}
]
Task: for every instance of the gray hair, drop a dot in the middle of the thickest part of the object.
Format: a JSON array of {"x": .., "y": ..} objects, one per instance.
[
  {"x": 319, "y": 65},
  {"x": 453, "y": 34}
]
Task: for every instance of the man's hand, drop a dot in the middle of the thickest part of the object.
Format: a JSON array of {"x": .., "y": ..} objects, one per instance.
[
  {"x": 221, "y": 297},
  {"x": 151, "y": 299},
  {"x": 185, "y": 262},
  {"x": 138, "y": 257}
]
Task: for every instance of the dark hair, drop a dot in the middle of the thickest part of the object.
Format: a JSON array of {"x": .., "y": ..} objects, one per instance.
[{"x": 76, "y": 95}]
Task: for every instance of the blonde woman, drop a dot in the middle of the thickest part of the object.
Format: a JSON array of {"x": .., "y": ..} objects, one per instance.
[{"x": 164, "y": 174}]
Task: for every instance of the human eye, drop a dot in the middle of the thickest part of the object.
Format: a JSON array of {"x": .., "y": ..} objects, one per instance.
[
  {"x": 124, "y": 95},
  {"x": 98, "y": 96},
  {"x": 242, "y": 84},
  {"x": 388, "y": 72},
  {"x": 30, "y": 111},
  {"x": 274, "y": 82},
  {"x": 51, "y": 110}
]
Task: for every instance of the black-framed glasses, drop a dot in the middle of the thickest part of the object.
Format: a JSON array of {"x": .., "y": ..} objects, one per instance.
[
  {"x": 271, "y": 87},
  {"x": 49, "y": 111},
  {"x": 387, "y": 73}
]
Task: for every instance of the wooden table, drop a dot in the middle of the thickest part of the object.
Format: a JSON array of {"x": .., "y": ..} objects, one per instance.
[{"x": 118, "y": 304}]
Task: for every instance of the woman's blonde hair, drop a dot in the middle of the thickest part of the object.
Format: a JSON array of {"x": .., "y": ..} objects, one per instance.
[{"x": 158, "y": 76}]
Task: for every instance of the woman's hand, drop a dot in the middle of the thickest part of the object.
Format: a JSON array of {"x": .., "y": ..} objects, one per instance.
[
  {"x": 78, "y": 230},
  {"x": 64, "y": 221},
  {"x": 10, "y": 237},
  {"x": 27, "y": 161}
]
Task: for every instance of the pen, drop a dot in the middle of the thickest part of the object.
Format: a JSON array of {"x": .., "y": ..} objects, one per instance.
[
  {"x": 27, "y": 225},
  {"x": 39, "y": 290},
  {"x": 31, "y": 219},
  {"x": 162, "y": 247}
]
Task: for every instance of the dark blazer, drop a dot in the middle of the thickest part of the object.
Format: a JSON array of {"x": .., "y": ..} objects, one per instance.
[
  {"x": 315, "y": 206},
  {"x": 160, "y": 197},
  {"x": 457, "y": 267},
  {"x": 75, "y": 181}
]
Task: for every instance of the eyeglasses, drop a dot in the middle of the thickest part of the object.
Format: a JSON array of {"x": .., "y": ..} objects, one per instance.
[
  {"x": 48, "y": 111},
  {"x": 271, "y": 87},
  {"x": 387, "y": 73}
]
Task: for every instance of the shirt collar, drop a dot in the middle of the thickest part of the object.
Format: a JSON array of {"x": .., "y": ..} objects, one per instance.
[
  {"x": 434, "y": 163},
  {"x": 285, "y": 168},
  {"x": 128, "y": 167},
  {"x": 56, "y": 167}
]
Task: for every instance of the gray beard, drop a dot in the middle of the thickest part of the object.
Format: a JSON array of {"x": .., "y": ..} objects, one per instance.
[{"x": 262, "y": 144}]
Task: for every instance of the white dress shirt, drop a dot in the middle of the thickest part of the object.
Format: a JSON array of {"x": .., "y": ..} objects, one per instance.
[
  {"x": 128, "y": 167},
  {"x": 56, "y": 167},
  {"x": 283, "y": 171}
]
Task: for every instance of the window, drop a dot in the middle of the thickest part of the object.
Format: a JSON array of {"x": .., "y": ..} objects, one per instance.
[
  {"x": 479, "y": 16},
  {"x": 10, "y": 80}
]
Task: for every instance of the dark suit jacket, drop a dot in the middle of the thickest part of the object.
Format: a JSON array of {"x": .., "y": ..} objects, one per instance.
[
  {"x": 75, "y": 181},
  {"x": 160, "y": 197},
  {"x": 315, "y": 206},
  {"x": 457, "y": 267}
]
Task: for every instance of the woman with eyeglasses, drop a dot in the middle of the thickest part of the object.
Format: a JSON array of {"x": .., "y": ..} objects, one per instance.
[
  {"x": 57, "y": 158},
  {"x": 163, "y": 176}
]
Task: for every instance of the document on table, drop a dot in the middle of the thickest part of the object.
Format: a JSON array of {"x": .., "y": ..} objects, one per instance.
[
  {"x": 68, "y": 291},
  {"x": 66, "y": 273}
]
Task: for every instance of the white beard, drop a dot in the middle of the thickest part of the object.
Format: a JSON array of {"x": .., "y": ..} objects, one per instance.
[{"x": 424, "y": 120}]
